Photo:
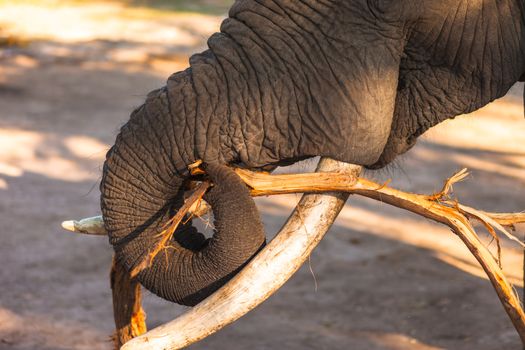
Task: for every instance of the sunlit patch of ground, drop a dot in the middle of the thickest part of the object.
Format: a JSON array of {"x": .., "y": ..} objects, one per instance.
[
  {"x": 50, "y": 155},
  {"x": 147, "y": 7},
  {"x": 98, "y": 34},
  {"x": 73, "y": 22},
  {"x": 397, "y": 341},
  {"x": 498, "y": 129}
]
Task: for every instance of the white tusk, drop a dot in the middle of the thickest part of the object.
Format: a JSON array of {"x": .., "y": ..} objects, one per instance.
[
  {"x": 90, "y": 226},
  {"x": 95, "y": 225},
  {"x": 264, "y": 275}
]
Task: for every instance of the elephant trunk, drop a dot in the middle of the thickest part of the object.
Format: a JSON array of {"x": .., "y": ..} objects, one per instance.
[
  {"x": 143, "y": 186},
  {"x": 249, "y": 101}
]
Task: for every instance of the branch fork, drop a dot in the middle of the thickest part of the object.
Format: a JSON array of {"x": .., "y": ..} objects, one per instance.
[{"x": 328, "y": 190}]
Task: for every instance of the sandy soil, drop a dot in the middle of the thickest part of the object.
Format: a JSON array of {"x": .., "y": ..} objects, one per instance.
[{"x": 384, "y": 279}]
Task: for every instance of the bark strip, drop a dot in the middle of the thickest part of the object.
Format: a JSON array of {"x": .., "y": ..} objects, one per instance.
[{"x": 130, "y": 318}]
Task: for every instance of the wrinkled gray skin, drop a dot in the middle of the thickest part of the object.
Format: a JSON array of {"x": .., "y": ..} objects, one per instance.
[{"x": 354, "y": 80}]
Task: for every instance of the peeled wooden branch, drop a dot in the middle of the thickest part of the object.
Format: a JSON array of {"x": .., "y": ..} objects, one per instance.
[
  {"x": 263, "y": 184},
  {"x": 95, "y": 225}
]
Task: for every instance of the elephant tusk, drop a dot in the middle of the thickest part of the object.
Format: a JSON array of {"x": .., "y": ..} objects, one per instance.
[
  {"x": 90, "y": 226},
  {"x": 95, "y": 225},
  {"x": 263, "y": 276}
]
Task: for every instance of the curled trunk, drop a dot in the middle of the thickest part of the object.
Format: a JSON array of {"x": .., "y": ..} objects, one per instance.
[{"x": 143, "y": 186}]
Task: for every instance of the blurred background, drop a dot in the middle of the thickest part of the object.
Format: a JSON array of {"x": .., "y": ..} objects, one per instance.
[{"x": 70, "y": 74}]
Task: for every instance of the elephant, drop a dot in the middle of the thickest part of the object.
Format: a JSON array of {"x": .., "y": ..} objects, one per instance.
[{"x": 354, "y": 80}]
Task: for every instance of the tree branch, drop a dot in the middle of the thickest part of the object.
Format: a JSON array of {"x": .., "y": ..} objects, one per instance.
[
  {"x": 447, "y": 212},
  {"x": 437, "y": 207}
]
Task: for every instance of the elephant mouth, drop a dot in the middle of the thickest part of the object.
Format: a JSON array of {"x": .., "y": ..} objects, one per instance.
[{"x": 394, "y": 148}]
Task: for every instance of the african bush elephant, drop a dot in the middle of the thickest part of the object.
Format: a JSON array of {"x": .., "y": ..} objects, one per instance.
[{"x": 354, "y": 80}]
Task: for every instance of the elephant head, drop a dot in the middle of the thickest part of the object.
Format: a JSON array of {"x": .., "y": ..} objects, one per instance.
[{"x": 353, "y": 80}]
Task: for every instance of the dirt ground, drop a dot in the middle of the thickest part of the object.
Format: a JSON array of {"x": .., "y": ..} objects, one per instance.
[{"x": 384, "y": 279}]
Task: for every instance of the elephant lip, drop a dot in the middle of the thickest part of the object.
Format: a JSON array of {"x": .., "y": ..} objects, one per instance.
[
  {"x": 393, "y": 148},
  {"x": 261, "y": 277}
]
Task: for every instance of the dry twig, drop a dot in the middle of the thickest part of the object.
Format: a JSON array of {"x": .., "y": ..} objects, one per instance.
[{"x": 171, "y": 227}]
